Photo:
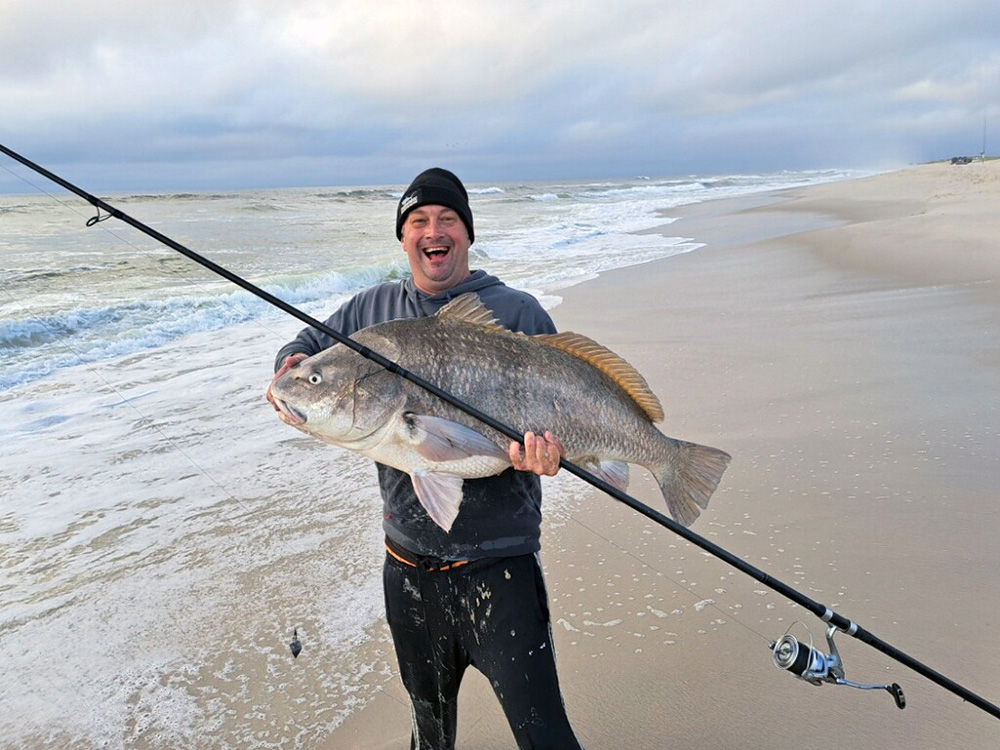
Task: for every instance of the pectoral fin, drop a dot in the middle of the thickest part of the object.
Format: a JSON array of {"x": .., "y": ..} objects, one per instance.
[
  {"x": 440, "y": 494},
  {"x": 441, "y": 440}
]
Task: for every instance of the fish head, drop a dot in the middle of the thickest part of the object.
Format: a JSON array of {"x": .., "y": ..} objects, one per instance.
[{"x": 339, "y": 397}]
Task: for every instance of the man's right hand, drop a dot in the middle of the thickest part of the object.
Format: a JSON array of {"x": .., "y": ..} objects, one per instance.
[
  {"x": 290, "y": 361},
  {"x": 540, "y": 454}
]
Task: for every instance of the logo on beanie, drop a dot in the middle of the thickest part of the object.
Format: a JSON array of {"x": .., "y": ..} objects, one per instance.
[{"x": 409, "y": 202}]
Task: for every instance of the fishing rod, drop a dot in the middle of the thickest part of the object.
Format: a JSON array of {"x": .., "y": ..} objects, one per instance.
[{"x": 804, "y": 661}]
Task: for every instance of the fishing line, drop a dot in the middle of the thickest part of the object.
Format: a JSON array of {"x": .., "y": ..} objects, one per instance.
[
  {"x": 99, "y": 220},
  {"x": 146, "y": 420},
  {"x": 835, "y": 621},
  {"x": 647, "y": 564},
  {"x": 150, "y": 422},
  {"x": 295, "y": 645}
]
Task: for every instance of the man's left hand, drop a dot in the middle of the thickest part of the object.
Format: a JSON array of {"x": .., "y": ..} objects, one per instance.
[{"x": 539, "y": 455}]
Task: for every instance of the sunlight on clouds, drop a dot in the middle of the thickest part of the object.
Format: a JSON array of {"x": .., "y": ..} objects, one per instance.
[
  {"x": 386, "y": 43},
  {"x": 461, "y": 53},
  {"x": 938, "y": 91},
  {"x": 975, "y": 84},
  {"x": 524, "y": 80}
]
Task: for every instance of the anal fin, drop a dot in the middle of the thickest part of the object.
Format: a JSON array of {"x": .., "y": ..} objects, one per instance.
[{"x": 614, "y": 473}]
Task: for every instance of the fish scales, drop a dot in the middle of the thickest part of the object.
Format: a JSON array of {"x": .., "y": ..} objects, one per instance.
[
  {"x": 529, "y": 383},
  {"x": 600, "y": 408}
]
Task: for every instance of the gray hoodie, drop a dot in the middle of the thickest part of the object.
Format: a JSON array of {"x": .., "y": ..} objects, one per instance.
[{"x": 500, "y": 515}]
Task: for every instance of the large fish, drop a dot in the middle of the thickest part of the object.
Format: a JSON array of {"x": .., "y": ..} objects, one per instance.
[{"x": 592, "y": 400}]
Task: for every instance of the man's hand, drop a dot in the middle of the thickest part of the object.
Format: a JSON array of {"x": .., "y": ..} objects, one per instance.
[
  {"x": 540, "y": 454},
  {"x": 290, "y": 361}
]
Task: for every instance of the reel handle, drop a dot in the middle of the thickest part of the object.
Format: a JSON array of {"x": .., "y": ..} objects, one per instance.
[
  {"x": 897, "y": 695},
  {"x": 811, "y": 665}
]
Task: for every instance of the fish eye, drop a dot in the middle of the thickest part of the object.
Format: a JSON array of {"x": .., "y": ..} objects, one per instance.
[{"x": 315, "y": 378}]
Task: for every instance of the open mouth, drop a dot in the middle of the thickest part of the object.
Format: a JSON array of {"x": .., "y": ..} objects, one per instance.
[
  {"x": 436, "y": 251},
  {"x": 293, "y": 414}
]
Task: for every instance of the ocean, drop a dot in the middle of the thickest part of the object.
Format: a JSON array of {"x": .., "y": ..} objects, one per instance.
[{"x": 162, "y": 534}]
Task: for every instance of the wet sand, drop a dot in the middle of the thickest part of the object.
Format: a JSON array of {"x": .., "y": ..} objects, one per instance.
[{"x": 840, "y": 341}]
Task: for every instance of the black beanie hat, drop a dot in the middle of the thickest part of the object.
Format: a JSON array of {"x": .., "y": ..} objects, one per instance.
[{"x": 435, "y": 187}]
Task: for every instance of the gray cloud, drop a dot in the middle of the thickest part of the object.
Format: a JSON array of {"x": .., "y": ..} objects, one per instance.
[{"x": 188, "y": 94}]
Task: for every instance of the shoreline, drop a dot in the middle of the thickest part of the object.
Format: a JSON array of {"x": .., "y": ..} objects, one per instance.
[{"x": 838, "y": 341}]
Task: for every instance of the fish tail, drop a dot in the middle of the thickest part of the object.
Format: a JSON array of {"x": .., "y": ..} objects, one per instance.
[{"x": 688, "y": 477}]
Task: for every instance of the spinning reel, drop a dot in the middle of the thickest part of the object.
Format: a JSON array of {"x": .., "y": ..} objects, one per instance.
[{"x": 810, "y": 664}]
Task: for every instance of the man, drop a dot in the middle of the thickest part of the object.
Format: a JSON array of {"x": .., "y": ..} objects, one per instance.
[{"x": 473, "y": 596}]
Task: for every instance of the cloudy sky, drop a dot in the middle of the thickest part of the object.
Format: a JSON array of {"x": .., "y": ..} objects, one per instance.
[{"x": 205, "y": 94}]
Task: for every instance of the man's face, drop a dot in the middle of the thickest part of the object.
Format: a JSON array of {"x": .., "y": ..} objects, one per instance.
[{"x": 436, "y": 243}]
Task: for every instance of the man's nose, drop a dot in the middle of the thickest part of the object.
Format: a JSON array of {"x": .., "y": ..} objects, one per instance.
[{"x": 434, "y": 228}]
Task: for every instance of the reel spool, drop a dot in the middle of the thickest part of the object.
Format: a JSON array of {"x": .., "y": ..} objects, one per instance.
[{"x": 810, "y": 664}]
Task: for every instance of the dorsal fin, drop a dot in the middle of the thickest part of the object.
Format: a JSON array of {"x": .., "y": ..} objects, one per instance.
[
  {"x": 468, "y": 308},
  {"x": 611, "y": 365}
]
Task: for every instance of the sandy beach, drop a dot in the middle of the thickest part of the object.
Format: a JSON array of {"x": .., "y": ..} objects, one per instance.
[{"x": 840, "y": 341}]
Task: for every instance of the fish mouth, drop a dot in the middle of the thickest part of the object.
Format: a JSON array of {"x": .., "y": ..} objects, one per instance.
[{"x": 290, "y": 413}]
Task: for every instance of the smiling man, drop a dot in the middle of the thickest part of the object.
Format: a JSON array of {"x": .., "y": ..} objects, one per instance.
[
  {"x": 434, "y": 223},
  {"x": 472, "y": 596}
]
